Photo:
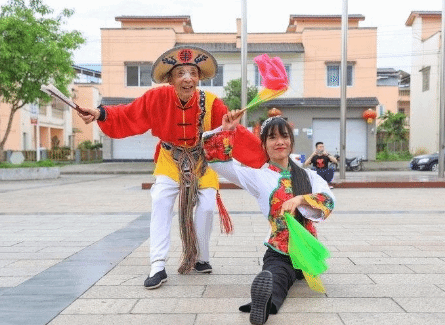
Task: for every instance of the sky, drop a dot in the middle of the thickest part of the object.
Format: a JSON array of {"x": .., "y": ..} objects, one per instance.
[{"x": 389, "y": 16}]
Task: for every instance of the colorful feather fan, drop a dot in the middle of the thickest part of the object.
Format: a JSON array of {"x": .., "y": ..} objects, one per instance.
[{"x": 274, "y": 80}]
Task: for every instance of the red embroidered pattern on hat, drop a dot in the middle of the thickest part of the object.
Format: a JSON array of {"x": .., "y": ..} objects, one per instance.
[{"x": 185, "y": 55}]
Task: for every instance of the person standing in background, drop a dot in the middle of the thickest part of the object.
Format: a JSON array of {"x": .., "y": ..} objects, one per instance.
[{"x": 320, "y": 160}]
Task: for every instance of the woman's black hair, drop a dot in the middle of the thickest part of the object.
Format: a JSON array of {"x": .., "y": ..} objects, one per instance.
[
  {"x": 300, "y": 179},
  {"x": 300, "y": 185},
  {"x": 279, "y": 124}
]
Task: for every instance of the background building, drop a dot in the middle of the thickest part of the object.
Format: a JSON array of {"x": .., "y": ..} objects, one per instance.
[
  {"x": 425, "y": 72},
  {"x": 55, "y": 124},
  {"x": 393, "y": 88},
  {"x": 310, "y": 49},
  {"x": 86, "y": 93}
]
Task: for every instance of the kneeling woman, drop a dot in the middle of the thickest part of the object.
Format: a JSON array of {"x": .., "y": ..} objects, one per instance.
[{"x": 279, "y": 186}]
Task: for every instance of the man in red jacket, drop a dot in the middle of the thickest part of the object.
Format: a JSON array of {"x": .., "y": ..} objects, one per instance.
[{"x": 177, "y": 114}]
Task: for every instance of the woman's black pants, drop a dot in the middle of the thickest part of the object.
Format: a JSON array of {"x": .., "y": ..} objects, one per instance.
[{"x": 284, "y": 276}]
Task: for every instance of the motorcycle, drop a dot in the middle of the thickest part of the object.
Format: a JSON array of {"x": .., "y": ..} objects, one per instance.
[
  {"x": 351, "y": 164},
  {"x": 354, "y": 164}
]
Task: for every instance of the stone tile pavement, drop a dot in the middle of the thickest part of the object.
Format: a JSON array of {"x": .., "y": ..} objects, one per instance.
[{"x": 75, "y": 251}]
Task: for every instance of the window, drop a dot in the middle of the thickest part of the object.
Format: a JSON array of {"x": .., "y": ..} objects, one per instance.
[
  {"x": 57, "y": 108},
  {"x": 139, "y": 75},
  {"x": 403, "y": 92},
  {"x": 333, "y": 75},
  {"x": 217, "y": 81},
  {"x": 425, "y": 78},
  {"x": 57, "y": 112},
  {"x": 381, "y": 110},
  {"x": 71, "y": 141},
  {"x": 287, "y": 67},
  {"x": 401, "y": 110},
  {"x": 258, "y": 78},
  {"x": 42, "y": 110},
  {"x": 25, "y": 141}
]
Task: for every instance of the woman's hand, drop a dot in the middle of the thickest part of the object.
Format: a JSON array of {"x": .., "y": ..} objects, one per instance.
[
  {"x": 292, "y": 204},
  {"x": 91, "y": 116},
  {"x": 231, "y": 120}
]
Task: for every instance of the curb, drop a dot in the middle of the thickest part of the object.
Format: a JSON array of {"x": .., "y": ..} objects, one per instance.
[
  {"x": 32, "y": 173},
  {"x": 116, "y": 172},
  {"x": 401, "y": 184}
]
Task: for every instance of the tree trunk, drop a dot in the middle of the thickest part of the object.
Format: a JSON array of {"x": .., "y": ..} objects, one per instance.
[{"x": 14, "y": 109}]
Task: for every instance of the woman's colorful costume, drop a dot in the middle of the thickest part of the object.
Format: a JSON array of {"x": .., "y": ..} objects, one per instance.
[{"x": 272, "y": 186}]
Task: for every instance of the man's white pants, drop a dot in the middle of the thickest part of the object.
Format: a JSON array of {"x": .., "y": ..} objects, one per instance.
[{"x": 163, "y": 194}]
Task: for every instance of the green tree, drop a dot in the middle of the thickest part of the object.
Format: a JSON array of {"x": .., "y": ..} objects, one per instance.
[
  {"x": 393, "y": 126},
  {"x": 34, "y": 50},
  {"x": 232, "y": 94}
]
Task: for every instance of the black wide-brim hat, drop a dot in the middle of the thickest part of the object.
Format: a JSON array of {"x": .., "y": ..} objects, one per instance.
[{"x": 183, "y": 55}]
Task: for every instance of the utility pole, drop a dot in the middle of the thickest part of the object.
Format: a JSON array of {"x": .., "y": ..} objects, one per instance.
[
  {"x": 343, "y": 85},
  {"x": 442, "y": 100},
  {"x": 244, "y": 59}
]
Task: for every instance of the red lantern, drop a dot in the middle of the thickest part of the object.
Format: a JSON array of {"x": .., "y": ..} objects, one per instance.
[{"x": 369, "y": 115}]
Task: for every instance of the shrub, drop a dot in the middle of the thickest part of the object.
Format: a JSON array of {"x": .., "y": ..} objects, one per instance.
[
  {"x": 61, "y": 153},
  {"x": 96, "y": 146},
  {"x": 85, "y": 145},
  {"x": 88, "y": 145},
  {"x": 45, "y": 163},
  {"x": 29, "y": 164},
  {"x": 386, "y": 155}
]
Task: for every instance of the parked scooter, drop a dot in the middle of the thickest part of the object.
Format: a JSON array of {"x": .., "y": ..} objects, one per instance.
[
  {"x": 351, "y": 164},
  {"x": 354, "y": 164}
]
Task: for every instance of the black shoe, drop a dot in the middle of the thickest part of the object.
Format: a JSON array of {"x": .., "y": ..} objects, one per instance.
[
  {"x": 245, "y": 308},
  {"x": 261, "y": 293},
  {"x": 155, "y": 281},
  {"x": 203, "y": 267}
]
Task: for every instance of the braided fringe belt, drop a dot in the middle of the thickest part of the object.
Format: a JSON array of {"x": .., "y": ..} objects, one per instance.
[{"x": 192, "y": 165}]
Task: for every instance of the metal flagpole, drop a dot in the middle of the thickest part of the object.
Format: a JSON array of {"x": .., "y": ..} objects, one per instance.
[
  {"x": 442, "y": 100},
  {"x": 343, "y": 84},
  {"x": 244, "y": 58}
]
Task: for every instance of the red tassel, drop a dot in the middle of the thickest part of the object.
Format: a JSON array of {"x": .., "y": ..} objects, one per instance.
[{"x": 225, "y": 221}]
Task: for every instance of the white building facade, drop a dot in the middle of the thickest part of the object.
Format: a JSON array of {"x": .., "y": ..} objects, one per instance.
[{"x": 425, "y": 74}]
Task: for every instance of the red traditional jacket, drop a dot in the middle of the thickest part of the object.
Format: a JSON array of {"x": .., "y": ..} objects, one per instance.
[{"x": 161, "y": 111}]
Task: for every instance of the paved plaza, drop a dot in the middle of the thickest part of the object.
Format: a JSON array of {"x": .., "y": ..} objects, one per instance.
[{"x": 74, "y": 251}]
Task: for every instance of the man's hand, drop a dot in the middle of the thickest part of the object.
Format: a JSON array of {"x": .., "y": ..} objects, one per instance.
[
  {"x": 332, "y": 159},
  {"x": 309, "y": 159},
  {"x": 93, "y": 114},
  {"x": 230, "y": 120}
]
